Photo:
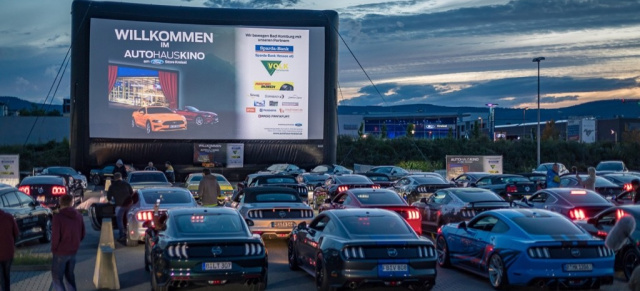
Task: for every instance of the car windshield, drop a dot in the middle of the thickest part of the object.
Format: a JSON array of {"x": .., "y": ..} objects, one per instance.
[
  {"x": 166, "y": 197},
  {"x": 472, "y": 196},
  {"x": 272, "y": 197},
  {"x": 429, "y": 180},
  {"x": 547, "y": 225},
  {"x": 191, "y": 108},
  {"x": 156, "y": 110},
  {"x": 315, "y": 178},
  {"x": 582, "y": 196},
  {"x": 379, "y": 178},
  {"x": 147, "y": 177},
  {"x": 544, "y": 167},
  {"x": 62, "y": 171},
  {"x": 42, "y": 180},
  {"x": 353, "y": 179},
  {"x": 279, "y": 180},
  {"x": 609, "y": 166},
  {"x": 384, "y": 198},
  {"x": 277, "y": 167},
  {"x": 375, "y": 225},
  {"x": 210, "y": 224},
  {"x": 198, "y": 178}
]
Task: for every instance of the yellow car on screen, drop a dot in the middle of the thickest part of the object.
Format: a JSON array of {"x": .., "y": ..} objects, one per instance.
[{"x": 158, "y": 118}]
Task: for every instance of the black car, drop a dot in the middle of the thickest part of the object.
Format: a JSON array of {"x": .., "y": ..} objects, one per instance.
[
  {"x": 509, "y": 187},
  {"x": 622, "y": 179},
  {"x": 98, "y": 176},
  {"x": 464, "y": 180},
  {"x": 339, "y": 183},
  {"x": 331, "y": 170},
  {"x": 416, "y": 186},
  {"x": 204, "y": 247},
  {"x": 281, "y": 181},
  {"x": 47, "y": 189},
  {"x": 574, "y": 203},
  {"x": 604, "y": 187},
  {"x": 455, "y": 205},
  {"x": 600, "y": 225},
  {"x": 72, "y": 176},
  {"x": 393, "y": 172},
  {"x": 34, "y": 220},
  {"x": 362, "y": 247},
  {"x": 380, "y": 179}
]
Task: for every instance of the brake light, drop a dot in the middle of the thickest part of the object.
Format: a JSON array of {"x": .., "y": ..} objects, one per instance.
[
  {"x": 578, "y": 192},
  {"x": 25, "y": 190},
  {"x": 512, "y": 189},
  {"x": 145, "y": 215},
  {"x": 577, "y": 214},
  {"x": 375, "y": 186},
  {"x": 620, "y": 213},
  {"x": 627, "y": 187},
  {"x": 58, "y": 190},
  {"x": 468, "y": 213},
  {"x": 343, "y": 188},
  {"x": 413, "y": 215}
]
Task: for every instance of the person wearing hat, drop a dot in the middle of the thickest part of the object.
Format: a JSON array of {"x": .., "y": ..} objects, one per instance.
[
  {"x": 120, "y": 168},
  {"x": 635, "y": 184}
]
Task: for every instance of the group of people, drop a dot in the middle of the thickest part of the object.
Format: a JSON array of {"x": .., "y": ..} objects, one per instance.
[
  {"x": 169, "y": 171},
  {"x": 67, "y": 231}
]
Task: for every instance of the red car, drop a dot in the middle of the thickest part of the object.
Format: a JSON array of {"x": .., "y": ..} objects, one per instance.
[
  {"x": 376, "y": 198},
  {"x": 192, "y": 114}
]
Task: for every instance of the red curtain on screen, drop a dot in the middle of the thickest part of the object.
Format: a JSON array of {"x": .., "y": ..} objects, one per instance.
[
  {"x": 169, "y": 84},
  {"x": 113, "y": 74}
]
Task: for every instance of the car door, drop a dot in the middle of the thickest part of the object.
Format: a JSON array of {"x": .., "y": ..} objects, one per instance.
[
  {"x": 431, "y": 210},
  {"x": 605, "y": 221},
  {"x": 310, "y": 238},
  {"x": 538, "y": 200},
  {"x": 35, "y": 219},
  {"x": 478, "y": 234},
  {"x": 461, "y": 181},
  {"x": 401, "y": 186}
]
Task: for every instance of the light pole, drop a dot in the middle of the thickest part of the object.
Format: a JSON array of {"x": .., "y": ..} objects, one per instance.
[
  {"x": 615, "y": 136},
  {"x": 524, "y": 112},
  {"x": 538, "y": 60},
  {"x": 492, "y": 121},
  {"x": 480, "y": 124}
]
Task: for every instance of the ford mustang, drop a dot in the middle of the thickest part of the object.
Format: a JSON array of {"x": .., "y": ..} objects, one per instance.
[
  {"x": 157, "y": 118},
  {"x": 197, "y": 116},
  {"x": 526, "y": 247}
]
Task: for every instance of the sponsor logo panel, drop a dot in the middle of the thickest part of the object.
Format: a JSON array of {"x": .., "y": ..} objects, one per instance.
[
  {"x": 290, "y": 104},
  {"x": 274, "y": 103},
  {"x": 268, "y": 110},
  {"x": 272, "y": 96},
  {"x": 291, "y": 110},
  {"x": 273, "y": 86},
  {"x": 258, "y": 103},
  {"x": 273, "y": 66},
  {"x": 281, "y": 49},
  {"x": 250, "y": 109}
]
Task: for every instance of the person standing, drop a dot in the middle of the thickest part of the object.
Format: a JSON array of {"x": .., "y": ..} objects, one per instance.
[
  {"x": 553, "y": 178},
  {"x": 67, "y": 233},
  {"x": 635, "y": 194},
  {"x": 7, "y": 248},
  {"x": 209, "y": 189},
  {"x": 150, "y": 167},
  {"x": 590, "y": 182},
  {"x": 120, "y": 192},
  {"x": 171, "y": 175},
  {"x": 120, "y": 168}
]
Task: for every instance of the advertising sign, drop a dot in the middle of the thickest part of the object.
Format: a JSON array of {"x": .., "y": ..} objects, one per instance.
[
  {"x": 152, "y": 80},
  {"x": 209, "y": 154},
  {"x": 235, "y": 155},
  {"x": 10, "y": 169},
  {"x": 573, "y": 130},
  {"x": 588, "y": 132},
  {"x": 457, "y": 165}
]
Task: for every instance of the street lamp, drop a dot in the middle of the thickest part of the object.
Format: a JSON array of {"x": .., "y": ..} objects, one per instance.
[
  {"x": 524, "y": 112},
  {"x": 480, "y": 124},
  {"x": 615, "y": 136},
  {"x": 492, "y": 120},
  {"x": 538, "y": 60}
]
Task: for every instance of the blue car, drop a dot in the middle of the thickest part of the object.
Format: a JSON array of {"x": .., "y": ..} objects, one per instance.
[{"x": 526, "y": 247}]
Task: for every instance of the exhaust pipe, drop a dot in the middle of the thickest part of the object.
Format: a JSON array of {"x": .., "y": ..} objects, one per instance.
[
  {"x": 541, "y": 284},
  {"x": 353, "y": 285}
]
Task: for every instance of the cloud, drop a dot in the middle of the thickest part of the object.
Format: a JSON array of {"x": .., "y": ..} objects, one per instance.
[
  {"x": 558, "y": 99},
  {"x": 257, "y": 4}
]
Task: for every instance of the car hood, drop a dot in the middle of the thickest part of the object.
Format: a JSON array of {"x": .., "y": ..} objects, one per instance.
[{"x": 165, "y": 116}]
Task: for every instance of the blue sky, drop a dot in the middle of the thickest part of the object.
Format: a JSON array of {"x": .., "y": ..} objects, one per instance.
[{"x": 444, "y": 52}]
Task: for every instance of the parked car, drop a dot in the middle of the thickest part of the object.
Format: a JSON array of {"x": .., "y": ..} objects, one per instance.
[
  {"x": 380, "y": 179},
  {"x": 393, "y": 172},
  {"x": 544, "y": 167},
  {"x": 605, "y": 167},
  {"x": 312, "y": 181},
  {"x": 622, "y": 179},
  {"x": 331, "y": 170},
  {"x": 538, "y": 178},
  {"x": 98, "y": 176},
  {"x": 574, "y": 203},
  {"x": 47, "y": 189},
  {"x": 455, "y": 205},
  {"x": 158, "y": 118},
  {"x": 375, "y": 198},
  {"x": 283, "y": 169},
  {"x": 197, "y": 116},
  {"x": 600, "y": 225},
  {"x": 416, "y": 186},
  {"x": 33, "y": 219},
  {"x": 281, "y": 181},
  {"x": 526, "y": 247},
  {"x": 205, "y": 247},
  {"x": 272, "y": 211},
  {"x": 509, "y": 187},
  {"x": 356, "y": 247},
  {"x": 71, "y": 175},
  {"x": 339, "y": 183},
  {"x": 193, "y": 182},
  {"x": 603, "y": 186},
  {"x": 147, "y": 179},
  {"x": 464, "y": 180}
]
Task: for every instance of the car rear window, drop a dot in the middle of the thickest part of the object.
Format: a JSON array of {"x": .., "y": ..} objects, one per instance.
[
  {"x": 210, "y": 224},
  {"x": 549, "y": 225},
  {"x": 468, "y": 196},
  {"x": 62, "y": 171},
  {"x": 378, "y": 178},
  {"x": 279, "y": 180},
  {"x": 42, "y": 180},
  {"x": 316, "y": 178},
  {"x": 388, "y": 198},
  {"x": 167, "y": 197},
  {"x": 610, "y": 166},
  {"x": 272, "y": 197},
  {"x": 583, "y": 196},
  {"x": 375, "y": 225},
  {"x": 147, "y": 177}
]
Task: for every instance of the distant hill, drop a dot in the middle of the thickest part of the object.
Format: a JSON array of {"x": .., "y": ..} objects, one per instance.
[{"x": 16, "y": 104}]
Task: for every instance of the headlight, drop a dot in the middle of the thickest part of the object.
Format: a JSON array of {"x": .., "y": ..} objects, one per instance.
[{"x": 156, "y": 120}]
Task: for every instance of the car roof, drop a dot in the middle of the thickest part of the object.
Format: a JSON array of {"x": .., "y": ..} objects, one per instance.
[
  {"x": 143, "y": 172},
  {"x": 359, "y": 211},
  {"x": 503, "y": 175},
  {"x": 269, "y": 189},
  {"x": 512, "y": 213},
  {"x": 202, "y": 210}
]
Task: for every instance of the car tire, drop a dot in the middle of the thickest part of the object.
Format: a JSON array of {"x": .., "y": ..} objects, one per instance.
[
  {"x": 148, "y": 127},
  {"x": 322, "y": 277},
  {"x": 292, "y": 257},
  {"x": 442, "y": 250},
  {"x": 199, "y": 120},
  {"x": 262, "y": 283},
  {"x": 497, "y": 272},
  {"x": 96, "y": 180},
  {"x": 130, "y": 242},
  {"x": 630, "y": 260},
  {"x": 154, "y": 282},
  {"x": 47, "y": 233}
]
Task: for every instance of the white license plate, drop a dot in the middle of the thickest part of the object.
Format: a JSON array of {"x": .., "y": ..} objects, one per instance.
[
  {"x": 174, "y": 126},
  {"x": 216, "y": 266},
  {"x": 41, "y": 199},
  {"x": 280, "y": 224},
  {"x": 578, "y": 267},
  {"x": 394, "y": 267}
]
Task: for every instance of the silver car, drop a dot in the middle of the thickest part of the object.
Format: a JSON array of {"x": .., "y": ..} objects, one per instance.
[
  {"x": 141, "y": 210},
  {"x": 272, "y": 212}
]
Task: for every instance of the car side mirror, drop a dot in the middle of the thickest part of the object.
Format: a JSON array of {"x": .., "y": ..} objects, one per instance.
[
  {"x": 328, "y": 201},
  {"x": 462, "y": 225},
  {"x": 302, "y": 225},
  {"x": 592, "y": 220}
]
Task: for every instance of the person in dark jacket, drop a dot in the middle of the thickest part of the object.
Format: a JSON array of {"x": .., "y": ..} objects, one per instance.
[
  {"x": 209, "y": 189},
  {"x": 7, "y": 247},
  {"x": 120, "y": 193},
  {"x": 635, "y": 193},
  {"x": 120, "y": 168},
  {"x": 67, "y": 233}
]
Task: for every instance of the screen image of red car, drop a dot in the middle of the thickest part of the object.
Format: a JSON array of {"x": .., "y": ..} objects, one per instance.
[
  {"x": 197, "y": 116},
  {"x": 158, "y": 118}
]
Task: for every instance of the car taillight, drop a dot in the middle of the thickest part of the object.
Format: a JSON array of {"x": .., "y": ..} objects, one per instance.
[
  {"x": 375, "y": 186},
  {"x": 25, "y": 190},
  {"x": 512, "y": 189},
  {"x": 468, "y": 213},
  {"x": 253, "y": 249},
  {"x": 145, "y": 215},
  {"x": 577, "y": 214},
  {"x": 619, "y": 214},
  {"x": 353, "y": 253},
  {"x": 178, "y": 251},
  {"x": 539, "y": 253},
  {"x": 413, "y": 215},
  {"x": 58, "y": 190},
  {"x": 627, "y": 187},
  {"x": 343, "y": 188}
]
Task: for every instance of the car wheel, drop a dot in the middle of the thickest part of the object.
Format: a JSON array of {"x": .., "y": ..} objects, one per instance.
[
  {"x": 629, "y": 262},
  {"x": 199, "y": 120},
  {"x": 130, "y": 242},
  {"x": 46, "y": 234},
  {"x": 96, "y": 180},
  {"x": 497, "y": 272},
  {"x": 149, "y": 127},
  {"x": 154, "y": 282},
  {"x": 322, "y": 277},
  {"x": 443, "y": 252},
  {"x": 293, "y": 258}
]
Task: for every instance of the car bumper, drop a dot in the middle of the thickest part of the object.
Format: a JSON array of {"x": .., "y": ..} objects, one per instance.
[
  {"x": 360, "y": 273},
  {"x": 135, "y": 231},
  {"x": 160, "y": 127},
  {"x": 190, "y": 272},
  {"x": 268, "y": 228},
  {"x": 533, "y": 272}
]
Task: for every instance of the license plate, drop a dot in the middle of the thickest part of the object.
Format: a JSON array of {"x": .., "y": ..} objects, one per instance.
[
  {"x": 394, "y": 267},
  {"x": 281, "y": 224},
  {"x": 174, "y": 126},
  {"x": 216, "y": 266},
  {"x": 41, "y": 199},
  {"x": 578, "y": 267}
]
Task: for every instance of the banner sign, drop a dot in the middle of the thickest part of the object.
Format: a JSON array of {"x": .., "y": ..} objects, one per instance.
[
  {"x": 209, "y": 154},
  {"x": 10, "y": 169},
  {"x": 457, "y": 165},
  {"x": 235, "y": 155}
]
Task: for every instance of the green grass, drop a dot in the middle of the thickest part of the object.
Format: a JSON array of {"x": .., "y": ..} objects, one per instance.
[{"x": 27, "y": 258}]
